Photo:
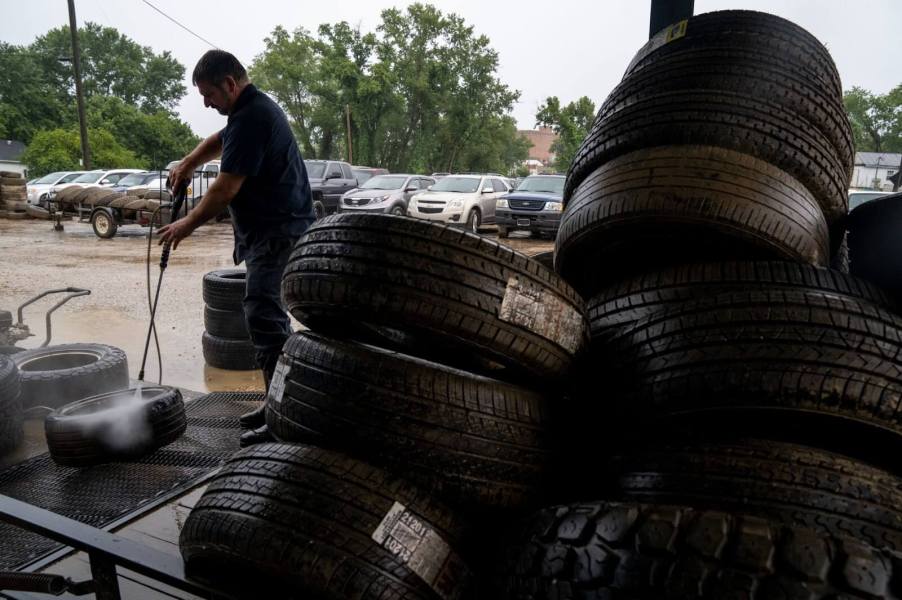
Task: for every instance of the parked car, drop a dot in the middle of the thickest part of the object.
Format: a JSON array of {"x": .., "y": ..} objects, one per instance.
[
  {"x": 202, "y": 178},
  {"x": 329, "y": 181},
  {"x": 535, "y": 206},
  {"x": 38, "y": 192},
  {"x": 439, "y": 175},
  {"x": 362, "y": 174},
  {"x": 467, "y": 200},
  {"x": 859, "y": 197},
  {"x": 107, "y": 178},
  {"x": 385, "y": 194},
  {"x": 147, "y": 179}
]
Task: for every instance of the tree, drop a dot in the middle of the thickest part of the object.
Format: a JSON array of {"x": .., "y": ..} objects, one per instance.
[
  {"x": 28, "y": 101},
  {"x": 876, "y": 119},
  {"x": 60, "y": 150},
  {"x": 572, "y": 123},
  {"x": 112, "y": 65}
]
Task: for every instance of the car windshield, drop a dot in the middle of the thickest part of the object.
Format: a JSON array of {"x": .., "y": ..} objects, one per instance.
[
  {"x": 70, "y": 177},
  {"x": 361, "y": 175},
  {"x": 460, "y": 185},
  {"x": 133, "y": 179},
  {"x": 859, "y": 199},
  {"x": 50, "y": 178},
  {"x": 384, "y": 182},
  {"x": 543, "y": 185},
  {"x": 88, "y": 177},
  {"x": 315, "y": 170}
]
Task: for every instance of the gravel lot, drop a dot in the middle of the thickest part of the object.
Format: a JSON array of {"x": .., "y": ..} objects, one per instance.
[{"x": 34, "y": 258}]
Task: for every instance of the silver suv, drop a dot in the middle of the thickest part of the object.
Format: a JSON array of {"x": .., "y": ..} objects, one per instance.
[{"x": 385, "y": 194}]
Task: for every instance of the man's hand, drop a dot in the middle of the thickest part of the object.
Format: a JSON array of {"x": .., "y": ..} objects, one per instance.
[
  {"x": 180, "y": 176},
  {"x": 175, "y": 232}
]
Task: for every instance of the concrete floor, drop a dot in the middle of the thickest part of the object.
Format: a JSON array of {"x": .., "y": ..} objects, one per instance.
[{"x": 34, "y": 258}]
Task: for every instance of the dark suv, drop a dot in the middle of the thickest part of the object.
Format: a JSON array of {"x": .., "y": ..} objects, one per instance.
[
  {"x": 535, "y": 206},
  {"x": 329, "y": 180}
]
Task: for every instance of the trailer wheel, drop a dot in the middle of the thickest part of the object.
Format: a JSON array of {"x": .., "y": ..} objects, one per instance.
[{"x": 104, "y": 224}]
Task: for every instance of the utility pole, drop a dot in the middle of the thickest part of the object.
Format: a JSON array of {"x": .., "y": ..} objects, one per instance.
[
  {"x": 348, "y": 125},
  {"x": 79, "y": 96}
]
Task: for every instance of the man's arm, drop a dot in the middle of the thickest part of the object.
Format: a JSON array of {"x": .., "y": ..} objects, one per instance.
[
  {"x": 205, "y": 151},
  {"x": 217, "y": 198}
]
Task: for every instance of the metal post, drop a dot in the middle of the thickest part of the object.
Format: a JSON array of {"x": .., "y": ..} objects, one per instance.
[
  {"x": 79, "y": 95},
  {"x": 668, "y": 12},
  {"x": 106, "y": 582},
  {"x": 348, "y": 124},
  {"x": 877, "y": 174}
]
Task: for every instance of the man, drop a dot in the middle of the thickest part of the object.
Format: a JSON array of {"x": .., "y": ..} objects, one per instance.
[{"x": 263, "y": 182}]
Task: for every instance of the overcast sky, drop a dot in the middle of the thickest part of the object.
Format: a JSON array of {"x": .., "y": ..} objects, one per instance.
[{"x": 553, "y": 47}]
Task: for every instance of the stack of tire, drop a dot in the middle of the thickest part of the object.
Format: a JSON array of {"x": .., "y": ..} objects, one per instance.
[
  {"x": 419, "y": 399},
  {"x": 226, "y": 342},
  {"x": 13, "y": 195},
  {"x": 10, "y": 406},
  {"x": 735, "y": 422}
]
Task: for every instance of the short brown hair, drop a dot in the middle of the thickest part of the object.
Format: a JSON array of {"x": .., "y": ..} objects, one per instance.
[{"x": 215, "y": 65}]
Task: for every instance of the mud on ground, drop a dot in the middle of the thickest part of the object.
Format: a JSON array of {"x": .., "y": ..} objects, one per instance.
[{"x": 34, "y": 258}]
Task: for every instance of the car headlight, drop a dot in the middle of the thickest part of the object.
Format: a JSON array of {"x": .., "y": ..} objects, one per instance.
[
  {"x": 502, "y": 203},
  {"x": 379, "y": 199},
  {"x": 456, "y": 204},
  {"x": 555, "y": 206}
]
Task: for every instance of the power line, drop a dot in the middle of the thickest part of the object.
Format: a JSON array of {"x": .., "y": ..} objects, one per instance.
[{"x": 206, "y": 41}]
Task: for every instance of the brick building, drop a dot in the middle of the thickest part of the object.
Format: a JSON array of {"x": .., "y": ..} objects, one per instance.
[{"x": 541, "y": 140}]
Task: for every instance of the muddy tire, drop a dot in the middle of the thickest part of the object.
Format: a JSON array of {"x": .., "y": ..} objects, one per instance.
[
  {"x": 297, "y": 521},
  {"x": 84, "y": 433},
  {"x": 10, "y": 406},
  {"x": 233, "y": 355},
  {"x": 626, "y": 302},
  {"x": 798, "y": 353},
  {"x": 37, "y": 212},
  {"x": 12, "y": 181},
  {"x": 682, "y": 204},
  {"x": 135, "y": 204},
  {"x": 57, "y": 375},
  {"x": 10, "y": 350},
  {"x": 457, "y": 295},
  {"x": 230, "y": 324},
  {"x": 648, "y": 552},
  {"x": 825, "y": 492},
  {"x": 224, "y": 289},
  {"x": 476, "y": 442},
  {"x": 17, "y": 205},
  {"x": 6, "y": 319},
  {"x": 161, "y": 195}
]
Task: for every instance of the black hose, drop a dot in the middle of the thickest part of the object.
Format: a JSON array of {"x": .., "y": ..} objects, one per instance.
[{"x": 156, "y": 339}]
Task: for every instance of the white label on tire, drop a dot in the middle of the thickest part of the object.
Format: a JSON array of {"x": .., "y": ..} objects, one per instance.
[
  {"x": 540, "y": 310},
  {"x": 418, "y": 546},
  {"x": 277, "y": 385}
]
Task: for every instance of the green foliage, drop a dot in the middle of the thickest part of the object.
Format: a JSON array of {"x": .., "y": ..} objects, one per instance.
[
  {"x": 27, "y": 100},
  {"x": 572, "y": 123},
  {"x": 422, "y": 92},
  {"x": 876, "y": 119},
  {"x": 60, "y": 150}
]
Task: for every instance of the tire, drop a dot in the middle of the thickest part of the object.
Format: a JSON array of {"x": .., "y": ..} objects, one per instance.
[
  {"x": 502, "y": 232},
  {"x": 122, "y": 200},
  {"x": 230, "y": 324},
  {"x": 67, "y": 195},
  {"x": 224, "y": 289},
  {"x": 681, "y": 204},
  {"x": 474, "y": 220},
  {"x": 319, "y": 210},
  {"x": 232, "y": 355},
  {"x": 626, "y": 302},
  {"x": 734, "y": 121},
  {"x": 296, "y": 521},
  {"x": 458, "y": 296},
  {"x": 398, "y": 211},
  {"x": 874, "y": 243},
  {"x": 647, "y": 552},
  {"x": 10, "y": 406},
  {"x": 12, "y": 181},
  {"x": 476, "y": 442},
  {"x": 740, "y": 355},
  {"x": 97, "y": 430},
  {"x": 162, "y": 195},
  {"x": 787, "y": 483},
  {"x": 107, "y": 199},
  {"x": 57, "y": 375},
  {"x": 104, "y": 225},
  {"x": 17, "y": 205},
  {"x": 135, "y": 204},
  {"x": 6, "y": 319},
  {"x": 546, "y": 259},
  {"x": 840, "y": 260},
  {"x": 11, "y": 174},
  {"x": 36, "y": 212},
  {"x": 13, "y": 216},
  {"x": 10, "y": 350},
  {"x": 81, "y": 195}
]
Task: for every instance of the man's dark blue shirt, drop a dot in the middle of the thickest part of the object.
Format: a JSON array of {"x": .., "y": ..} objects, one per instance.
[{"x": 274, "y": 202}]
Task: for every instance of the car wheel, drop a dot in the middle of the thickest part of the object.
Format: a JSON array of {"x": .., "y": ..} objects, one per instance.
[
  {"x": 319, "y": 210},
  {"x": 503, "y": 232},
  {"x": 398, "y": 211},
  {"x": 474, "y": 220}
]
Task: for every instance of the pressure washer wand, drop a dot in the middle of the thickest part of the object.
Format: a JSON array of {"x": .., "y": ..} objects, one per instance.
[{"x": 174, "y": 210}]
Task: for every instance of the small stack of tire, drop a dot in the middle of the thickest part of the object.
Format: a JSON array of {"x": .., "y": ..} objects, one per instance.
[
  {"x": 420, "y": 398},
  {"x": 734, "y": 426},
  {"x": 13, "y": 195},
  {"x": 226, "y": 342}
]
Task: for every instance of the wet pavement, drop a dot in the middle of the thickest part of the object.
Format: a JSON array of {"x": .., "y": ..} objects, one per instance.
[{"x": 34, "y": 258}]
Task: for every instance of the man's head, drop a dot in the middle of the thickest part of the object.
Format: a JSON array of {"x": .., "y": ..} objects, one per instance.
[{"x": 219, "y": 78}]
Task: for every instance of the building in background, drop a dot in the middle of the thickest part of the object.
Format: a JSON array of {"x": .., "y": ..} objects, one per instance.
[
  {"x": 10, "y": 153},
  {"x": 873, "y": 170},
  {"x": 541, "y": 158}
]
